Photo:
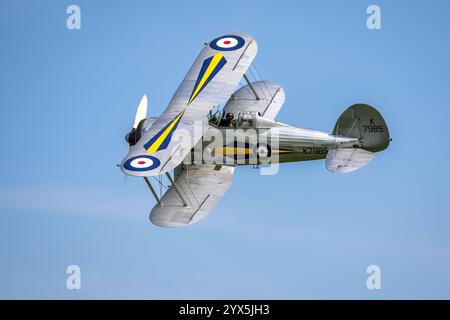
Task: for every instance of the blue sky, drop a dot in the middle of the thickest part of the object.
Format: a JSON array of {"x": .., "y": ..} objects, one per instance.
[{"x": 68, "y": 98}]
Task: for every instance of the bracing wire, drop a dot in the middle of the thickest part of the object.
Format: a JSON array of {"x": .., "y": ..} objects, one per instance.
[
  {"x": 257, "y": 71},
  {"x": 246, "y": 88},
  {"x": 160, "y": 183},
  {"x": 258, "y": 83}
]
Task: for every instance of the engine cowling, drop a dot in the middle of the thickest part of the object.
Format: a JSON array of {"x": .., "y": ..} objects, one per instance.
[{"x": 135, "y": 134}]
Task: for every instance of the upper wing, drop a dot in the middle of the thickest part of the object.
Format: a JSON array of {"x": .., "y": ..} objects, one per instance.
[
  {"x": 271, "y": 98},
  {"x": 211, "y": 80},
  {"x": 201, "y": 186}
]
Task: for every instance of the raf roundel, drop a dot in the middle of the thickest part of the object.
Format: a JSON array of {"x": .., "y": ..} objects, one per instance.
[
  {"x": 141, "y": 163},
  {"x": 227, "y": 43}
]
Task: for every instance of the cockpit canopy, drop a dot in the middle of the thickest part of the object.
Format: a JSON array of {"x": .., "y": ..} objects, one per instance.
[{"x": 244, "y": 119}]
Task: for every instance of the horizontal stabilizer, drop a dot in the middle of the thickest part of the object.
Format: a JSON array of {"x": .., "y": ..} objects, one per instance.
[{"x": 347, "y": 160}]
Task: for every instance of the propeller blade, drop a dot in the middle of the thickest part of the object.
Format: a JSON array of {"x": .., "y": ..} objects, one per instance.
[{"x": 141, "y": 112}]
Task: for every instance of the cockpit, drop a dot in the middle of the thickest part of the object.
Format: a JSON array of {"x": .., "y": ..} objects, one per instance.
[{"x": 244, "y": 119}]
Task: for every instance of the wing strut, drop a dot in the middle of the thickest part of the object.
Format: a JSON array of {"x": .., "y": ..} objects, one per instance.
[
  {"x": 153, "y": 191},
  {"x": 176, "y": 189},
  {"x": 251, "y": 87}
]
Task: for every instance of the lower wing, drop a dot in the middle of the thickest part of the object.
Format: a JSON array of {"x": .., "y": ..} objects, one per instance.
[{"x": 193, "y": 194}]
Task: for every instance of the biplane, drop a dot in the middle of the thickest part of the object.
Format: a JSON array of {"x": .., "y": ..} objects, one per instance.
[{"x": 212, "y": 125}]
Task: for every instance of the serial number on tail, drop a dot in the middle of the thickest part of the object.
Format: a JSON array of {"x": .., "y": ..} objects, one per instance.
[{"x": 372, "y": 128}]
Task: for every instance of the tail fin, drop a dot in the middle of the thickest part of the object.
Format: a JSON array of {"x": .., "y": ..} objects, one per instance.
[{"x": 365, "y": 123}]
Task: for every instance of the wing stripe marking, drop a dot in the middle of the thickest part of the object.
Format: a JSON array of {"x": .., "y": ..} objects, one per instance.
[
  {"x": 209, "y": 69},
  {"x": 161, "y": 140}
]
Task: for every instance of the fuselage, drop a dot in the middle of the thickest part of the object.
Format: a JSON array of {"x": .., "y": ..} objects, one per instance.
[{"x": 277, "y": 143}]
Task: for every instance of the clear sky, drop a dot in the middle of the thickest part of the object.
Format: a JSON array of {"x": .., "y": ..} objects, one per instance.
[{"x": 68, "y": 97}]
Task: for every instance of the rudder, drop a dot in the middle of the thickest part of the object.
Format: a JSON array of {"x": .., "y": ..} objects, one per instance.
[{"x": 365, "y": 123}]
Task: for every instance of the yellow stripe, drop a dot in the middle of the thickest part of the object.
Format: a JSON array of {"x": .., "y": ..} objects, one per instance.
[
  {"x": 233, "y": 150},
  {"x": 242, "y": 150},
  {"x": 154, "y": 147},
  {"x": 215, "y": 60},
  {"x": 282, "y": 151}
]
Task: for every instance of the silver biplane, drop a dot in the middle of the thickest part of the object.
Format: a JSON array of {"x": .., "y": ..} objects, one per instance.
[{"x": 203, "y": 147}]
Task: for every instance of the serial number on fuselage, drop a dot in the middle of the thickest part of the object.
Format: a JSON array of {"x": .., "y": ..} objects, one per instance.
[{"x": 314, "y": 150}]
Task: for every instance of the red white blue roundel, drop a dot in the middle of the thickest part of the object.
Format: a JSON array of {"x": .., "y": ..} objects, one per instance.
[
  {"x": 263, "y": 151},
  {"x": 141, "y": 163},
  {"x": 227, "y": 43}
]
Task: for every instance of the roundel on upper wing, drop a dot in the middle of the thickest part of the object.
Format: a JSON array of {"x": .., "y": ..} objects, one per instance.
[
  {"x": 141, "y": 163},
  {"x": 227, "y": 43}
]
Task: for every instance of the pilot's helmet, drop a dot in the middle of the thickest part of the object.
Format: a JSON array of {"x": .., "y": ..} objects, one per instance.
[{"x": 229, "y": 116}]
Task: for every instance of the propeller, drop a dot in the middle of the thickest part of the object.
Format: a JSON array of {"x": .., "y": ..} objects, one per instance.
[{"x": 141, "y": 114}]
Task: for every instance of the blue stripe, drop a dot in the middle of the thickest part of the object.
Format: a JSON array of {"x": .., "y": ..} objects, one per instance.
[
  {"x": 205, "y": 65},
  {"x": 166, "y": 141}
]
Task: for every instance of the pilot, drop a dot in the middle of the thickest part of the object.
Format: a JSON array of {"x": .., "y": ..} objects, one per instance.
[{"x": 229, "y": 119}]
